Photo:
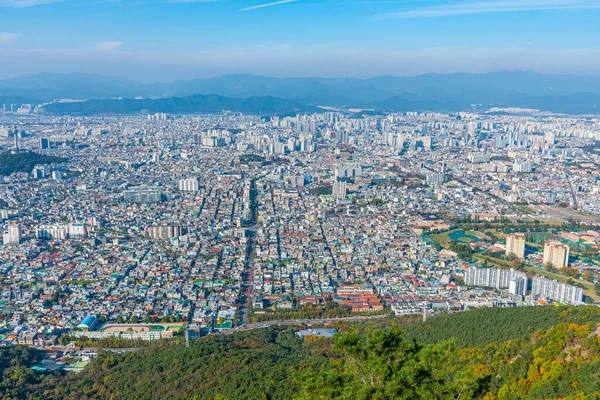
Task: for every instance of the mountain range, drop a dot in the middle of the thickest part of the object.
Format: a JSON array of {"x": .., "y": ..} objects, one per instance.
[{"x": 433, "y": 92}]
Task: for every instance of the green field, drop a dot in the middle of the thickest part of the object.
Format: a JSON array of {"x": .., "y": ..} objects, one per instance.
[{"x": 457, "y": 235}]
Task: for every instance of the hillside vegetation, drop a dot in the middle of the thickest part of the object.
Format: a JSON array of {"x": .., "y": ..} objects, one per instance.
[
  {"x": 24, "y": 162},
  {"x": 439, "y": 359}
]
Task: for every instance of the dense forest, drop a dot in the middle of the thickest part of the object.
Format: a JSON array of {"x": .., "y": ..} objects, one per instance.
[
  {"x": 24, "y": 162},
  {"x": 524, "y": 353}
]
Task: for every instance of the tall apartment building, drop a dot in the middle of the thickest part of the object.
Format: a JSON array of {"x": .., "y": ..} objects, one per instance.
[
  {"x": 556, "y": 253},
  {"x": 188, "y": 185},
  {"x": 497, "y": 278},
  {"x": 164, "y": 231},
  {"x": 143, "y": 194},
  {"x": 515, "y": 244},
  {"x": 51, "y": 232},
  {"x": 14, "y": 234},
  {"x": 556, "y": 291},
  {"x": 78, "y": 231},
  {"x": 339, "y": 189}
]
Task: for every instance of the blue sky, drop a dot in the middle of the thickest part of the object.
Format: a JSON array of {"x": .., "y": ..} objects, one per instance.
[{"x": 162, "y": 40}]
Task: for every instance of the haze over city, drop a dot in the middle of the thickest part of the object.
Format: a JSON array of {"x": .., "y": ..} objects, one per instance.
[{"x": 162, "y": 40}]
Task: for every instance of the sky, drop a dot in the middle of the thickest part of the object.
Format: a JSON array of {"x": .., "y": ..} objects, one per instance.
[{"x": 165, "y": 40}]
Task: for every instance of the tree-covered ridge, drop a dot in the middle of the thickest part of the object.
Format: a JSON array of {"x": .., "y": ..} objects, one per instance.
[
  {"x": 498, "y": 325},
  {"x": 24, "y": 162},
  {"x": 380, "y": 365},
  {"x": 374, "y": 361}
]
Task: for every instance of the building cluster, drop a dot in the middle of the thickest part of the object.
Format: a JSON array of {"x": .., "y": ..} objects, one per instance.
[{"x": 207, "y": 220}]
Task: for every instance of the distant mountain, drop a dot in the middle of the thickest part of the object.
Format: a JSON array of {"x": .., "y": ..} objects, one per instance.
[
  {"x": 191, "y": 104},
  {"x": 437, "y": 92},
  {"x": 577, "y": 103}
]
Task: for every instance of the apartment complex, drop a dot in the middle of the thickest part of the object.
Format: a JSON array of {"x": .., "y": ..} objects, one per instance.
[
  {"x": 515, "y": 244},
  {"x": 497, "y": 278},
  {"x": 556, "y": 253},
  {"x": 556, "y": 291}
]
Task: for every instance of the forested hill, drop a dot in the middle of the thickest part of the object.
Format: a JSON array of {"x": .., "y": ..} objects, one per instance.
[
  {"x": 24, "y": 162},
  {"x": 366, "y": 361}
]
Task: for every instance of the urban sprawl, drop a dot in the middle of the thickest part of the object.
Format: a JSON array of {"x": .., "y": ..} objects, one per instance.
[{"x": 140, "y": 226}]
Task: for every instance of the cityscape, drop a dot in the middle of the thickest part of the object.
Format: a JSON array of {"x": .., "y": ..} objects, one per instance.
[
  {"x": 218, "y": 221},
  {"x": 300, "y": 200}
]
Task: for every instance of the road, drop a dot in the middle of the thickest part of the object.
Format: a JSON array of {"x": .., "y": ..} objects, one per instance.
[{"x": 267, "y": 324}]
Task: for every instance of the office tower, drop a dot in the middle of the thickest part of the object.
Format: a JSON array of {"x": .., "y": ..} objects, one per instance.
[
  {"x": 14, "y": 234},
  {"x": 556, "y": 253},
  {"x": 496, "y": 278},
  {"x": 57, "y": 175},
  {"x": 556, "y": 291},
  {"x": 188, "y": 185},
  {"x": 44, "y": 143},
  {"x": 515, "y": 244}
]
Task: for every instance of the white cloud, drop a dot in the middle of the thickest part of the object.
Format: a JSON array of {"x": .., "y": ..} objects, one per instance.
[
  {"x": 276, "y": 3},
  {"x": 8, "y": 37},
  {"x": 482, "y": 7},
  {"x": 108, "y": 45}
]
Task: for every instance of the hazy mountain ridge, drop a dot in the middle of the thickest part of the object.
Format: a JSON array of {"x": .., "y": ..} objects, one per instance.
[
  {"x": 433, "y": 92},
  {"x": 191, "y": 104}
]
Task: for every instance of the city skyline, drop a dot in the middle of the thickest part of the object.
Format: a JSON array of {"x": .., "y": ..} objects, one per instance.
[{"x": 167, "y": 40}]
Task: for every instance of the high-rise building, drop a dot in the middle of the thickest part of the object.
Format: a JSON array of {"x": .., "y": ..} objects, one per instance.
[
  {"x": 143, "y": 194},
  {"x": 14, "y": 234},
  {"x": 188, "y": 185},
  {"x": 556, "y": 291},
  {"x": 436, "y": 177},
  {"x": 518, "y": 285},
  {"x": 53, "y": 232},
  {"x": 515, "y": 244},
  {"x": 163, "y": 231},
  {"x": 78, "y": 231},
  {"x": 497, "y": 278},
  {"x": 339, "y": 189},
  {"x": 556, "y": 253},
  {"x": 522, "y": 166}
]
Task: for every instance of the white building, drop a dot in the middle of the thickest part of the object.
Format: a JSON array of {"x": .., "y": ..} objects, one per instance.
[
  {"x": 14, "y": 234},
  {"x": 556, "y": 291},
  {"x": 188, "y": 185},
  {"x": 78, "y": 231},
  {"x": 497, "y": 278},
  {"x": 51, "y": 232}
]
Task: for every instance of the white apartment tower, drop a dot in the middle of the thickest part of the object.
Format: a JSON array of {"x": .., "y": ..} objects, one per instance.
[
  {"x": 515, "y": 244},
  {"x": 188, "y": 185},
  {"x": 556, "y": 253}
]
